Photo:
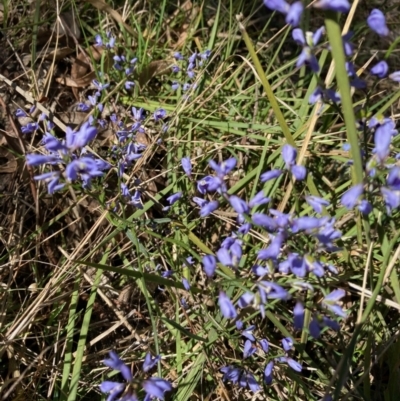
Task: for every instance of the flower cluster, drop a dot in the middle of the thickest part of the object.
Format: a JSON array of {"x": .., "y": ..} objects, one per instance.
[
  {"x": 191, "y": 67},
  {"x": 72, "y": 155},
  {"x": 282, "y": 256},
  {"x": 154, "y": 387}
]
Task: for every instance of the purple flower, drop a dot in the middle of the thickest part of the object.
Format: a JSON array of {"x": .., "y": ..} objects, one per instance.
[
  {"x": 296, "y": 366},
  {"x": 227, "y": 309},
  {"x": 52, "y": 179},
  {"x": 293, "y": 16},
  {"x": 138, "y": 114},
  {"x": 264, "y": 345},
  {"x": 299, "y": 172},
  {"x": 274, "y": 249},
  {"x": 34, "y": 159},
  {"x": 186, "y": 284},
  {"x": 317, "y": 203},
  {"x": 224, "y": 168},
  {"x": 112, "y": 388},
  {"x": 259, "y": 270},
  {"x": 178, "y": 56},
  {"x": 225, "y": 257},
  {"x": 20, "y": 113},
  {"x": 187, "y": 166},
  {"x": 248, "y": 379},
  {"x": 289, "y": 154},
  {"x": 393, "y": 179},
  {"x": 330, "y": 302},
  {"x": 297, "y": 265},
  {"x": 51, "y": 143},
  {"x": 209, "y": 265},
  {"x": 268, "y": 289},
  {"x": 270, "y": 175},
  {"x": 238, "y": 204},
  {"x": 365, "y": 207},
  {"x": 156, "y": 387},
  {"x": 209, "y": 184},
  {"x": 395, "y": 76},
  {"x": 287, "y": 344},
  {"x": 380, "y": 70},
  {"x": 208, "y": 208},
  {"x": 316, "y": 96},
  {"x": 391, "y": 198},
  {"x": 265, "y": 221},
  {"x": 77, "y": 140},
  {"x": 298, "y": 316},
  {"x": 382, "y": 139},
  {"x": 245, "y": 300},
  {"x": 268, "y": 373},
  {"x": 341, "y": 6},
  {"x": 150, "y": 362},
  {"x": 277, "y": 5},
  {"x": 307, "y": 57},
  {"x": 114, "y": 362},
  {"x": 350, "y": 198},
  {"x": 98, "y": 40},
  {"x": 244, "y": 228},
  {"x": 129, "y": 85},
  {"x": 231, "y": 373},
  {"x": 258, "y": 199},
  {"x": 248, "y": 333},
  {"x": 29, "y": 128},
  {"x": 175, "y": 85},
  {"x": 174, "y": 197},
  {"x": 307, "y": 223},
  {"x": 377, "y": 22},
  {"x": 248, "y": 349},
  {"x": 159, "y": 114}
]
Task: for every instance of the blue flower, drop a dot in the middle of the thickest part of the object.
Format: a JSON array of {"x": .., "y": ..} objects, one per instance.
[
  {"x": 187, "y": 166},
  {"x": 34, "y": 159},
  {"x": 156, "y": 387},
  {"x": 341, "y": 6},
  {"x": 159, "y": 114},
  {"x": 277, "y": 5},
  {"x": 350, "y": 198},
  {"x": 287, "y": 343},
  {"x": 298, "y": 316},
  {"x": 239, "y": 205},
  {"x": 273, "y": 250},
  {"x": 395, "y": 76},
  {"x": 377, "y": 22},
  {"x": 150, "y": 362},
  {"x": 29, "y": 128},
  {"x": 226, "y": 307},
  {"x": 268, "y": 373},
  {"x": 317, "y": 203},
  {"x": 174, "y": 198},
  {"x": 114, "y": 362},
  {"x": 291, "y": 362},
  {"x": 391, "y": 198},
  {"x": 330, "y": 302},
  {"x": 380, "y": 70},
  {"x": 209, "y": 265},
  {"x": 270, "y": 290},
  {"x": 186, "y": 284},
  {"x": 258, "y": 199},
  {"x": 249, "y": 349},
  {"x": 208, "y": 208},
  {"x": 270, "y": 175},
  {"x": 294, "y": 14},
  {"x": 224, "y": 168}
]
